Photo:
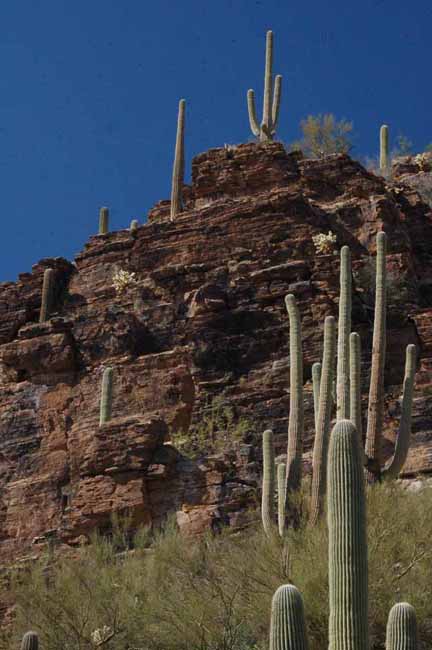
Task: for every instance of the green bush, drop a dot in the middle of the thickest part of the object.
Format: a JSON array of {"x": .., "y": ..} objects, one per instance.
[{"x": 215, "y": 593}]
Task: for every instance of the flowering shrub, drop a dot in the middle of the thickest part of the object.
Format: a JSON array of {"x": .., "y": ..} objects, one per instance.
[
  {"x": 325, "y": 244},
  {"x": 123, "y": 280}
]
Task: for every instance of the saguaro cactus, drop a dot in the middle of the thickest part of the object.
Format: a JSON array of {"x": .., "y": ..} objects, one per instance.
[
  {"x": 47, "y": 295},
  {"x": 316, "y": 379},
  {"x": 268, "y": 484},
  {"x": 30, "y": 641},
  {"x": 376, "y": 389},
  {"x": 344, "y": 329},
  {"x": 179, "y": 164},
  {"x": 355, "y": 383},
  {"x": 401, "y": 628},
  {"x": 103, "y": 221},
  {"x": 348, "y": 579},
  {"x": 287, "y": 623},
  {"x": 319, "y": 460},
  {"x": 296, "y": 418},
  {"x": 266, "y": 131},
  {"x": 133, "y": 225},
  {"x": 384, "y": 150},
  {"x": 281, "y": 473},
  {"x": 106, "y": 396}
]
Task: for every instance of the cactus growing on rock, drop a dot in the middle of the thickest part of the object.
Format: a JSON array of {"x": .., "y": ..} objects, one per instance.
[
  {"x": 348, "y": 579},
  {"x": 271, "y": 102},
  {"x": 268, "y": 484},
  {"x": 287, "y": 623},
  {"x": 295, "y": 422},
  {"x": 106, "y": 396},
  {"x": 384, "y": 150},
  {"x": 344, "y": 329},
  {"x": 30, "y": 641},
  {"x": 179, "y": 164},
  {"x": 401, "y": 628},
  {"x": 47, "y": 295},
  {"x": 133, "y": 225},
  {"x": 103, "y": 221}
]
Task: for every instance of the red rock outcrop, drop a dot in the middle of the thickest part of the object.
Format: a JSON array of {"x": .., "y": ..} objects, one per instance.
[{"x": 203, "y": 316}]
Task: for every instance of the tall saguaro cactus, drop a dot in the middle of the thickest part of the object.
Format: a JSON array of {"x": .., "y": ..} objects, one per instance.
[
  {"x": 106, "y": 396},
  {"x": 384, "y": 150},
  {"x": 280, "y": 477},
  {"x": 344, "y": 329},
  {"x": 287, "y": 623},
  {"x": 47, "y": 295},
  {"x": 296, "y": 417},
  {"x": 316, "y": 379},
  {"x": 319, "y": 460},
  {"x": 179, "y": 164},
  {"x": 401, "y": 628},
  {"x": 268, "y": 484},
  {"x": 103, "y": 221},
  {"x": 272, "y": 96},
  {"x": 30, "y": 641},
  {"x": 348, "y": 579},
  {"x": 355, "y": 383}
]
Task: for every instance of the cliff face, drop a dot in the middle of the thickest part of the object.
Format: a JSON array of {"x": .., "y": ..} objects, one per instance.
[{"x": 205, "y": 317}]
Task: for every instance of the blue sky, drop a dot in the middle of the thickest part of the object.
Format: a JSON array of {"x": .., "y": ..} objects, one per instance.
[{"x": 89, "y": 93}]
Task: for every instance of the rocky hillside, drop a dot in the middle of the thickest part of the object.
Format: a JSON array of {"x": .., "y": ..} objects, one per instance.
[{"x": 202, "y": 317}]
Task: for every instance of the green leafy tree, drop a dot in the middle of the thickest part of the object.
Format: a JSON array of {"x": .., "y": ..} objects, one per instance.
[{"x": 324, "y": 135}]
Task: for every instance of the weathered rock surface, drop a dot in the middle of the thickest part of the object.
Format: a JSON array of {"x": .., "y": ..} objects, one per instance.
[{"x": 204, "y": 318}]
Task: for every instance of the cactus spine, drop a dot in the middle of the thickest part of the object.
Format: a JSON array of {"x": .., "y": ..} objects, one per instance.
[
  {"x": 179, "y": 164},
  {"x": 47, "y": 295},
  {"x": 401, "y": 628},
  {"x": 106, "y": 396},
  {"x": 281, "y": 473},
  {"x": 376, "y": 389},
  {"x": 30, "y": 641},
  {"x": 266, "y": 131},
  {"x": 319, "y": 461},
  {"x": 103, "y": 221},
  {"x": 344, "y": 329},
  {"x": 348, "y": 580},
  {"x": 287, "y": 623},
  {"x": 295, "y": 423},
  {"x": 384, "y": 150},
  {"x": 268, "y": 484},
  {"x": 316, "y": 378},
  {"x": 355, "y": 383}
]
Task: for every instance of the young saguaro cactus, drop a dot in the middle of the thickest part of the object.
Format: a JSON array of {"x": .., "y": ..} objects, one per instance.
[
  {"x": 179, "y": 164},
  {"x": 103, "y": 221},
  {"x": 401, "y": 628},
  {"x": 272, "y": 97},
  {"x": 287, "y": 623},
  {"x": 384, "y": 150},
  {"x": 268, "y": 484},
  {"x": 133, "y": 225},
  {"x": 106, "y": 396},
  {"x": 30, "y": 641},
  {"x": 344, "y": 329},
  {"x": 348, "y": 578},
  {"x": 47, "y": 295},
  {"x": 319, "y": 460},
  {"x": 296, "y": 416}
]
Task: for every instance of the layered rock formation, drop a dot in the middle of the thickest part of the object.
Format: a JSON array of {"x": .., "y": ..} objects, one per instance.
[{"x": 203, "y": 317}]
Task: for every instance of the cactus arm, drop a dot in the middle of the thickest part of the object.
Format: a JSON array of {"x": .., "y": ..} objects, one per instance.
[
  {"x": 348, "y": 577},
  {"x": 268, "y": 84},
  {"x": 281, "y": 472},
  {"x": 103, "y": 221},
  {"x": 384, "y": 150},
  {"x": 401, "y": 631},
  {"x": 355, "y": 383},
  {"x": 287, "y": 622},
  {"x": 316, "y": 379},
  {"x": 30, "y": 641},
  {"x": 178, "y": 167},
  {"x": 376, "y": 389},
  {"x": 319, "y": 460},
  {"x": 344, "y": 328},
  {"x": 397, "y": 462},
  {"x": 253, "y": 121},
  {"x": 277, "y": 93},
  {"x": 47, "y": 295},
  {"x": 296, "y": 418},
  {"x": 106, "y": 396},
  {"x": 268, "y": 483}
]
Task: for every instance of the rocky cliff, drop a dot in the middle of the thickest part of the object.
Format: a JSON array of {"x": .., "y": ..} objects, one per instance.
[{"x": 204, "y": 318}]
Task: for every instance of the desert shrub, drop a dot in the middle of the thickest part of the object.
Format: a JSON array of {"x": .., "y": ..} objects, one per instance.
[
  {"x": 214, "y": 592},
  {"x": 323, "y": 135}
]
